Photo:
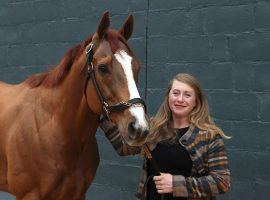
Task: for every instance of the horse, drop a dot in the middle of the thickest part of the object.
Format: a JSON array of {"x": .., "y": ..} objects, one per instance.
[{"x": 48, "y": 149}]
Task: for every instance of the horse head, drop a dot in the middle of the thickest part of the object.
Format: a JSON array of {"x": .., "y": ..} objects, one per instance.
[{"x": 113, "y": 75}]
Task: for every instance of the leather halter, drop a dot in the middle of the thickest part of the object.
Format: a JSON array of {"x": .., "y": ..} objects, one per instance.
[{"x": 136, "y": 102}]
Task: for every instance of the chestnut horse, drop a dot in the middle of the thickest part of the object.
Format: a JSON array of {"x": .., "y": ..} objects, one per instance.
[{"x": 48, "y": 149}]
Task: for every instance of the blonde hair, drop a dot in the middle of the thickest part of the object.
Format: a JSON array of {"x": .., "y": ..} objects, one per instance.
[{"x": 199, "y": 116}]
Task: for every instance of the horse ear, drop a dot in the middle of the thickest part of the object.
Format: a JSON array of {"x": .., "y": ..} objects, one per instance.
[
  {"x": 127, "y": 27},
  {"x": 103, "y": 25}
]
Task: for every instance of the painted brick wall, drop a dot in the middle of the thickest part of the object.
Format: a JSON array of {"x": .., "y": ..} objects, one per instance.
[{"x": 224, "y": 43}]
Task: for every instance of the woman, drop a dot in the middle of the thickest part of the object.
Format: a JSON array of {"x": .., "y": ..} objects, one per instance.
[{"x": 186, "y": 145}]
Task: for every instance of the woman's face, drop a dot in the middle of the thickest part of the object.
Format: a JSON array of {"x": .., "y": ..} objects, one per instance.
[{"x": 182, "y": 100}]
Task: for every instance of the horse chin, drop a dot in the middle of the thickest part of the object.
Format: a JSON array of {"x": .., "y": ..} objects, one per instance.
[{"x": 134, "y": 143}]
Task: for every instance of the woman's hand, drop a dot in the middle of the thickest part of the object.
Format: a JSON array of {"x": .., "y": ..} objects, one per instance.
[{"x": 164, "y": 183}]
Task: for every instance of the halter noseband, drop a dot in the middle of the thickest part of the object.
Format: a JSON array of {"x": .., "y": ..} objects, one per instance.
[{"x": 136, "y": 102}]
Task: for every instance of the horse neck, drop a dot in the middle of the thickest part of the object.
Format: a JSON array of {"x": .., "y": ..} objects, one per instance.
[{"x": 73, "y": 111}]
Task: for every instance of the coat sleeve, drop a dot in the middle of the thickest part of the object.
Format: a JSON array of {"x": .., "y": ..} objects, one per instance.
[
  {"x": 114, "y": 136},
  {"x": 216, "y": 181}
]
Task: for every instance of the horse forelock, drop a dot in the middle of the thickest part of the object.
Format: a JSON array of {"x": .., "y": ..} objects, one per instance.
[
  {"x": 114, "y": 38},
  {"x": 55, "y": 76}
]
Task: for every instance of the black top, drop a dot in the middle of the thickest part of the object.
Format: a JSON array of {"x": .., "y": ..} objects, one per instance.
[{"x": 170, "y": 158}]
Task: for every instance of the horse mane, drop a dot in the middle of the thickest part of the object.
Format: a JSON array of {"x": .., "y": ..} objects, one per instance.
[{"x": 55, "y": 76}]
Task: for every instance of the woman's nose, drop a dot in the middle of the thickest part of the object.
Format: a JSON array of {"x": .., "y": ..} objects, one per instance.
[{"x": 180, "y": 98}]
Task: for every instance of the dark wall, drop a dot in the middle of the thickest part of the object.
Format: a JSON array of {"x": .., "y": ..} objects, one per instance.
[{"x": 224, "y": 43}]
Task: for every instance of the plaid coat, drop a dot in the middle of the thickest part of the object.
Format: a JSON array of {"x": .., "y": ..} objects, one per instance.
[{"x": 210, "y": 173}]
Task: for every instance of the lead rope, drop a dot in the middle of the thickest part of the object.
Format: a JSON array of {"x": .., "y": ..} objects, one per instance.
[{"x": 154, "y": 165}]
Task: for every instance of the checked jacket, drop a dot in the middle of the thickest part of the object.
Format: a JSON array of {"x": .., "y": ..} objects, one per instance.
[{"x": 210, "y": 174}]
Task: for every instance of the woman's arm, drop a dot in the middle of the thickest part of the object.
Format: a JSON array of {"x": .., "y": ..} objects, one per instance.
[
  {"x": 114, "y": 136},
  {"x": 217, "y": 181}
]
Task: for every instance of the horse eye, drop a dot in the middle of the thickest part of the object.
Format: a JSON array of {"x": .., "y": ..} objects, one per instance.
[{"x": 103, "y": 69}]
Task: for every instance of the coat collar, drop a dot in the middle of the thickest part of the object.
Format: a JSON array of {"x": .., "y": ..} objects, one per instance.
[{"x": 185, "y": 140}]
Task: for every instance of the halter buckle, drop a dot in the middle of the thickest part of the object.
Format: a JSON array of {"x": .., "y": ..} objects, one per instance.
[
  {"x": 138, "y": 105},
  {"x": 89, "y": 48},
  {"x": 105, "y": 107}
]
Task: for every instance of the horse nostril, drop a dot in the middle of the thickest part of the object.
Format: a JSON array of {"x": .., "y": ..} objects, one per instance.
[
  {"x": 145, "y": 133},
  {"x": 135, "y": 133},
  {"x": 132, "y": 130}
]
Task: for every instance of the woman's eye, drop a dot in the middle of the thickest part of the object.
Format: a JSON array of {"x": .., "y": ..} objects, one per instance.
[
  {"x": 103, "y": 69},
  {"x": 188, "y": 95}
]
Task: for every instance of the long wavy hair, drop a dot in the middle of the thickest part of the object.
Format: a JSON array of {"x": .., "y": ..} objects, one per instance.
[{"x": 199, "y": 116}]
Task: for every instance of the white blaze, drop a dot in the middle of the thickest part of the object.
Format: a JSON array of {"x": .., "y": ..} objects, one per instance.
[{"x": 138, "y": 112}]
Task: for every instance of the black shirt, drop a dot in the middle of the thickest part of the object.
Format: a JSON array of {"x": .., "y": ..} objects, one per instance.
[{"x": 170, "y": 158}]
